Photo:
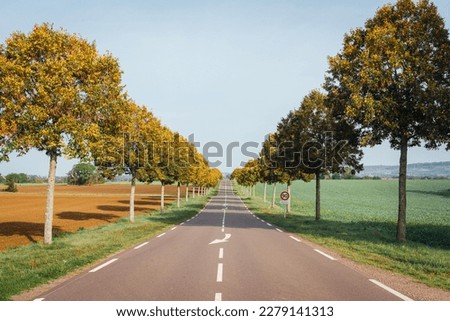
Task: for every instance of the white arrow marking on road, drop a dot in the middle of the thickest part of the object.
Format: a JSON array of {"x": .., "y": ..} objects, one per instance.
[{"x": 224, "y": 240}]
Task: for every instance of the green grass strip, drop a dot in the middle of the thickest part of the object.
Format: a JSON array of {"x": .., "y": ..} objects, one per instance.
[
  {"x": 365, "y": 240},
  {"x": 25, "y": 267}
]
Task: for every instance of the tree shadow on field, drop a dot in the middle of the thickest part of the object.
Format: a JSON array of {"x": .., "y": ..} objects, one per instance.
[
  {"x": 152, "y": 203},
  {"x": 443, "y": 193},
  {"x": 30, "y": 230},
  {"x": 436, "y": 236},
  {"x": 118, "y": 208},
  {"x": 82, "y": 216}
]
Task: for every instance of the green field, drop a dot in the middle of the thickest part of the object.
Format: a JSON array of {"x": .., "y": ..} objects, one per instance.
[{"x": 359, "y": 221}]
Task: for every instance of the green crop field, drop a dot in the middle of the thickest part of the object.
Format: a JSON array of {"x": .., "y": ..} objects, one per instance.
[{"x": 359, "y": 221}]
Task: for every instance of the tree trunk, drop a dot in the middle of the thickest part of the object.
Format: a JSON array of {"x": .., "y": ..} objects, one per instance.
[
  {"x": 162, "y": 198},
  {"x": 274, "y": 191},
  {"x": 401, "y": 222},
  {"x": 132, "y": 193},
  {"x": 48, "y": 226},
  {"x": 265, "y": 192},
  {"x": 193, "y": 191},
  {"x": 178, "y": 194},
  {"x": 187, "y": 192},
  {"x": 288, "y": 207},
  {"x": 317, "y": 196}
]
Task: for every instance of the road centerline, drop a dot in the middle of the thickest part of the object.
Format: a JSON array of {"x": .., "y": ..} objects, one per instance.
[{"x": 220, "y": 272}]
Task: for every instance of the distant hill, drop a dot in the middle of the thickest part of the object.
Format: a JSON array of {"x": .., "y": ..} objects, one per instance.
[{"x": 432, "y": 170}]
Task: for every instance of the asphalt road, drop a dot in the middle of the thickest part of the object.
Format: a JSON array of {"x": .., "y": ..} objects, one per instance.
[{"x": 223, "y": 253}]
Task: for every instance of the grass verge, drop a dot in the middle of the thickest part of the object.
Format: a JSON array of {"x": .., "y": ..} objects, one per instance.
[
  {"x": 367, "y": 240},
  {"x": 25, "y": 267}
]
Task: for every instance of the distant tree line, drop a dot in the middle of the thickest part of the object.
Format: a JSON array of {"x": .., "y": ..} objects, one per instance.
[{"x": 22, "y": 178}]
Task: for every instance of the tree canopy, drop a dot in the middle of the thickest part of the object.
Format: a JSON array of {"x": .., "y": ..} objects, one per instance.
[{"x": 392, "y": 78}]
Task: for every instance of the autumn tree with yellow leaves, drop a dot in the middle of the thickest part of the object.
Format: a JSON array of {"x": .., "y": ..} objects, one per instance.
[{"x": 57, "y": 94}]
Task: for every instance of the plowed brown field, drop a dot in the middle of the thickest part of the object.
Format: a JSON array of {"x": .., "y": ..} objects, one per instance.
[{"x": 22, "y": 213}]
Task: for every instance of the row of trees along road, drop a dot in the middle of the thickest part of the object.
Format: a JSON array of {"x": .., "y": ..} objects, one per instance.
[
  {"x": 59, "y": 95},
  {"x": 390, "y": 81}
]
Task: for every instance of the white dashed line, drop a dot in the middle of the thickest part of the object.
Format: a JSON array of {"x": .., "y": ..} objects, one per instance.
[
  {"x": 392, "y": 291},
  {"x": 173, "y": 228},
  {"x": 139, "y": 246},
  {"x": 102, "y": 266},
  {"x": 161, "y": 234},
  {"x": 39, "y": 299},
  {"x": 269, "y": 224},
  {"x": 182, "y": 223},
  {"x": 221, "y": 253},
  {"x": 324, "y": 254},
  {"x": 279, "y": 230},
  {"x": 294, "y": 238},
  {"x": 218, "y": 297},
  {"x": 220, "y": 272}
]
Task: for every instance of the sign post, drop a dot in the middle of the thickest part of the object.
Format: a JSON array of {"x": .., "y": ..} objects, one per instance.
[{"x": 284, "y": 199}]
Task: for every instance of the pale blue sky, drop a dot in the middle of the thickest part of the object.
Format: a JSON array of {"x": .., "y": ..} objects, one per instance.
[{"x": 222, "y": 70}]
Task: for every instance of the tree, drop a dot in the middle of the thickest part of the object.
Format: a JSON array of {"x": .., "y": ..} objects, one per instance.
[
  {"x": 289, "y": 160},
  {"x": 133, "y": 151},
  {"x": 181, "y": 162},
  {"x": 83, "y": 174},
  {"x": 392, "y": 78},
  {"x": 270, "y": 172},
  {"x": 166, "y": 169},
  {"x": 325, "y": 142},
  {"x": 56, "y": 92},
  {"x": 11, "y": 181}
]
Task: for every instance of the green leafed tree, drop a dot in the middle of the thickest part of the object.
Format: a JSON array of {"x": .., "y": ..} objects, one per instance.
[
  {"x": 84, "y": 174},
  {"x": 270, "y": 172},
  {"x": 289, "y": 158},
  {"x": 392, "y": 78},
  {"x": 324, "y": 141},
  {"x": 57, "y": 92}
]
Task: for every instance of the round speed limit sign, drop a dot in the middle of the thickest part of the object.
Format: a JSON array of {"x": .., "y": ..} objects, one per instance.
[{"x": 284, "y": 196}]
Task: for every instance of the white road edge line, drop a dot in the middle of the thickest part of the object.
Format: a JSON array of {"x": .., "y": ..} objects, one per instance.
[
  {"x": 173, "y": 228},
  {"x": 392, "y": 291},
  {"x": 294, "y": 238},
  {"x": 279, "y": 230},
  {"x": 218, "y": 297},
  {"x": 39, "y": 299},
  {"x": 139, "y": 246},
  {"x": 220, "y": 272},
  {"x": 324, "y": 254},
  {"x": 161, "y": 234},
  {"x": 269, "y": 224},
  {"x": 103, "y": 265},
  {"x": 221, "y": 253}
]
